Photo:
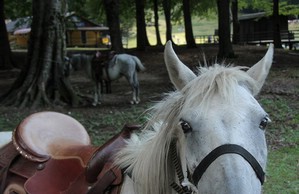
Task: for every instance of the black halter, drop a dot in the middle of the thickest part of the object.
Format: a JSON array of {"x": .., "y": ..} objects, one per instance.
[{"x": 228, "y": 149}]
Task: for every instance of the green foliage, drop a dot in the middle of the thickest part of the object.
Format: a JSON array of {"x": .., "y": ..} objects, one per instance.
[
  {"x": 15, "y": 9},
  {"x": 127, "y": 14},
  {"x": 202, "y": 9},
  {"x": 206, "y": 8},
  {"x": 286, "y": 7}
]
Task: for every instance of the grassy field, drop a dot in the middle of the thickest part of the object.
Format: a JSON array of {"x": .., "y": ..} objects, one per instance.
[
  {"x": 283, "y": 137},
  {"x": 200, "y": 27}
]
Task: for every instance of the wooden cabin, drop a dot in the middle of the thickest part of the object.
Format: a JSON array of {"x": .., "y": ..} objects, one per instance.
[
  {"x": 257, "y": 27},
  {"x": 80, "y": 32}
]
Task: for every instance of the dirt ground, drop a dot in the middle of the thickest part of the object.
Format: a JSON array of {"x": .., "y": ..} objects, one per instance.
[{"x": 154, "y": 81}]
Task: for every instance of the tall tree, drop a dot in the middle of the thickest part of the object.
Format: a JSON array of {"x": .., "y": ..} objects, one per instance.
[
  {"x": 6, "y": 61},
  {"x": 236, "y": 24},
  {"x": 112, "y": 16},
  {"x": 188, "y": 25},
  {"x": 142, "y": 41},
  {"x": 156, "y": 15},
  {"x": 276, "y": 25},
  {"x": 43, "y": 79},
  {"x": 167, "y": 13},
  {"x": 225, "y": 45}
]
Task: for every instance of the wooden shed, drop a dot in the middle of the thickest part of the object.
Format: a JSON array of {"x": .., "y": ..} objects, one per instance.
[
  {"x": 258, "y": 26},
  {"x": 18, "y": 31},
  {"x": 80, "y": 32},
  {"x": 85, "y": 33}
]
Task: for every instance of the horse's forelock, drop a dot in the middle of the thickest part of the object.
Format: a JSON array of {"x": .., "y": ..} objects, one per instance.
[{"x": 216, "y": 80}]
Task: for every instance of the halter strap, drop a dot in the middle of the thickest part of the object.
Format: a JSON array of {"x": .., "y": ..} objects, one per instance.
[{"x": 228, "y": 149}]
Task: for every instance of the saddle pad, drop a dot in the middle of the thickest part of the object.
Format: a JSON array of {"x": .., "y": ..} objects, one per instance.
[
  {"x": 57, "y": 177},
  {"x": 40, "y": 135}
]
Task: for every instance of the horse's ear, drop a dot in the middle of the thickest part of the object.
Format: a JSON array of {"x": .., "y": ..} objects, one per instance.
[
  {"x": 260, "y": 70},
  {"x": 179, "y": 73}
]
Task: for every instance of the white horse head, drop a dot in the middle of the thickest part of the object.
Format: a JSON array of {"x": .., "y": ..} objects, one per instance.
[{"x": 218, "y": 127}]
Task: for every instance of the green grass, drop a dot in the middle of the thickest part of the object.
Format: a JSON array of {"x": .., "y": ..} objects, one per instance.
[
  {"x": 283, "y": 171},
  {"x": 283, "y": 140}
]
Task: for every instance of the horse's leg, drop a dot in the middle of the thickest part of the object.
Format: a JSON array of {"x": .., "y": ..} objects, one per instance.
[
  {"x": 102, "y": 86},
  {"x": 108, "y": 87},
  {"x": 136, "y": 87},
  {"x": 133, "y": 81},
  {"x": 97, "y": 94}
]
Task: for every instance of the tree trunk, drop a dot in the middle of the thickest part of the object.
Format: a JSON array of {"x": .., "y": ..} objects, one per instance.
[
  {"x": 112, "y": 16},
  {"x": 166, "y": 8},
  {"x": 158, "y": 37},
  {"x": 225, "y": 45},
  {"x": 236, "y": 24},
  {"x": 6, "y": 61},
  {"x": 188, "y": 25},
  {"x": 142, "y": 41},
  {"x": 42, "y": 81},
  {"x": 276, "y": 25}
]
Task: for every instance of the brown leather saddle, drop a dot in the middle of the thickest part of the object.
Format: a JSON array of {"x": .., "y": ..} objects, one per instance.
[{"x": 51, "y": 153}]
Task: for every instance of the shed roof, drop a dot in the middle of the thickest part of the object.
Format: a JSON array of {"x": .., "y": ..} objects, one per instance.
[
  {"x": 18, "y": 23},
  {"x": 251, "y": 16}
]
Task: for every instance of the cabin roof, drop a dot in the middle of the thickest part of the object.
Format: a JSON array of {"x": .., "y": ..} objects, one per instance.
[{"x": 73, "y": 22}]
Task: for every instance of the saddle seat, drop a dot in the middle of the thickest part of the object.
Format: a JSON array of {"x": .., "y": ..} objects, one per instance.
[
  {"x": 58, "y": 156},
  {"x": 46, "y": 135}
]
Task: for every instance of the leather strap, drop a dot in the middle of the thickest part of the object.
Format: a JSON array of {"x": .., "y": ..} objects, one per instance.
[
  {"x": 228, "y": 149},
  {"x": 10, "y": 157},
  {"x": 109, "y": 180}
]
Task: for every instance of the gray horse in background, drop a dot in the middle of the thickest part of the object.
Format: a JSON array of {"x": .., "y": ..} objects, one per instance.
[{"x": 101, "y": 68}]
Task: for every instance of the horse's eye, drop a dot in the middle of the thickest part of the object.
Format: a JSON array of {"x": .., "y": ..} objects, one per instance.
[
  {"x": 185, "y": 126},
  {"x": 264, "y": 122}
]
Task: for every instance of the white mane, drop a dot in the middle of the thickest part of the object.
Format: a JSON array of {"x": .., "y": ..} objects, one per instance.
[{"x": 146, "y": 155}]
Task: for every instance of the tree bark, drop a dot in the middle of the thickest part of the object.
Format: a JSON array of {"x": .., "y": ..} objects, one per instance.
[
  {"x": 236, "y": 24},
  {"x": 225, "y": 45},
  {"x": 112, "y": 16},
  {"x": 166, "y": 8},
  {"x": 158, "y": 37},
  {"x": 276, "y": 25},
  {"x": 6, "y": 61},
  {"x": 188, "y": 25},
  {"x": 42, "y": 81},
  {"x": 142, "y": 41}
]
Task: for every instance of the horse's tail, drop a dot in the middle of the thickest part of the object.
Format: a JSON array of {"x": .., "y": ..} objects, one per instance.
[{"x": 140, "y": 66}]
